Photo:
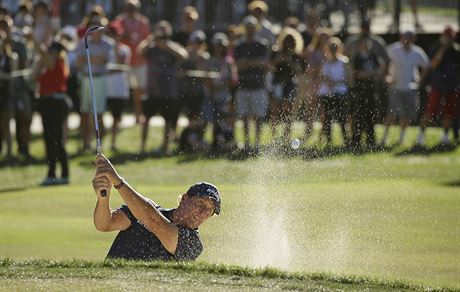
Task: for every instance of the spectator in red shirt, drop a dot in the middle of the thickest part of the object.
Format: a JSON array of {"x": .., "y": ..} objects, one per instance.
[
  {"x": 445, "y": 85},
  {"x": 53, "y": 72}
]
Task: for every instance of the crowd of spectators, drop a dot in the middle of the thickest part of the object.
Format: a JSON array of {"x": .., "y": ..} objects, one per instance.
[{"x": 250, "y": 72}]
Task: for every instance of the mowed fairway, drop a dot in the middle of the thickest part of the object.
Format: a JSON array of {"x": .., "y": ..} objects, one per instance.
[{"x": 380, "y": 215}]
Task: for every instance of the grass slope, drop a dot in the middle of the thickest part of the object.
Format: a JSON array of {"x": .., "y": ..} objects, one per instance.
[{"x": 78, "y": 275}]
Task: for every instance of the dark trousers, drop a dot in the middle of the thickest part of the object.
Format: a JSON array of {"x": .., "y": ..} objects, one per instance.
[
  {"x": 335, "y": 107},
  {"x": 54, "y": 112},
  {"x": 363, "y": 120}
]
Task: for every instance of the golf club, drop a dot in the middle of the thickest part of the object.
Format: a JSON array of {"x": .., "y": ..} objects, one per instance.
[{"x": 93, "y": 99}]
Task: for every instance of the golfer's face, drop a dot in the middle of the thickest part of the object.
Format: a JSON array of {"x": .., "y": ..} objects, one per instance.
[{"x": 199, "y": 209}]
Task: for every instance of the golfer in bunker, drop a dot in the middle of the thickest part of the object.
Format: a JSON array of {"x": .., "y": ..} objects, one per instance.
[{"x": 148, "y": 231}]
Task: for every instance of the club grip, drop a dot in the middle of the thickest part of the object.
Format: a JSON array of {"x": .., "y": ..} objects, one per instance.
[{"x": 104, "y": 193}]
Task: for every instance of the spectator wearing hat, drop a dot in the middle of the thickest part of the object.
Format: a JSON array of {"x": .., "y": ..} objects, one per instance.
[
  {"x": 189, "y": 20},
  {"x": 407, "y": 60},
  {"x": 287, "y": 64},
  {"x": 163, "y": 57},
  {"x": 192, "y": 87},
  {"x": 117, "y": 79},
  {"x": 222, "y": 103},
  {"x": 101, "y": 52},
  {"x": 148, "y": 231},
  {"x": 444, "y": 94},
  {"x": 53, "y": 71},
  {"x": 259, "y": 10},
  {"x": 136, "y": 28},
  {"x": 251, "y": 98}
]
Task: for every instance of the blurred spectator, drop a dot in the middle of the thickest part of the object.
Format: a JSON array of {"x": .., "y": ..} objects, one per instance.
[
  {"x": 8, "y": 63},
  {"x": 101, "y": 53},
  {"x": 378, "y": 45},
  {"x": 192, "y": 137},
  {"x": 234, "y": 33},
  {"x": 406, "y": 61},
  {"x": 97, "y": 11},
  {"x": 378, "y": 48},
  {"x": 19, "y": 91},
  {"x": 259, "y": 10},
  {"x": 444, "y": 95},
  {"x": 287, "y": 64},
  {"x": 117, "y": 79},
  {"x": 188, "y": 25},
  {"x": 136, "y": 28},
  {"x": 53, "y": 71},
  {"x": 315, "y": 57},
  {"x": 68, "y": 37},
  {"x": 333, "y": 92},
  {"x": 251, "y": 98},
  {"x": 43, "y": 30},
  {"x": 222, "y": 104},
  {"x": 191, "y": 86},
  {"x": 368, "y": 68},
  {"x": 24, "y": 15},
  {"x": 163, "y": 56}
]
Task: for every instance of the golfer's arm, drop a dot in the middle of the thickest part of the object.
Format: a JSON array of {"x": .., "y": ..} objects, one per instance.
[
  {"x": 106, "y": 220},
  {"x": 152, "y": 219}
]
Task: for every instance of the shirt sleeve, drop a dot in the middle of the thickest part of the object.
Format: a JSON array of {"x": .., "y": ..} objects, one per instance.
[
  {"x": 189, "y": 245},
  {"x": 127, "y": 211}
]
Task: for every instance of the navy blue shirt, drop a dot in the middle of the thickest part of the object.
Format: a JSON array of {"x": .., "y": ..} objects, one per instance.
[
  {"x": 447, "y": 75},
  {"x": 161, "y": 73},
  {"x": 138, "y": 243},
  {"x": 253, "y": 77}
]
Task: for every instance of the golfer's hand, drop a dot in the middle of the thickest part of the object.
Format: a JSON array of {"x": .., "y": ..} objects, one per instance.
[
  {"x": 100, "y": 184},
  {"x": 105, "y": 169}
]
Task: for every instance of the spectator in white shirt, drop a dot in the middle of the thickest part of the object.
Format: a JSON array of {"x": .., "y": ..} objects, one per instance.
[{"x": 407, "y": 60}]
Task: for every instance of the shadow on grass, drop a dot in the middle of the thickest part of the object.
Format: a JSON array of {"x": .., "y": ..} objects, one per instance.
[
  {"x": 452, "y": 184},
  {"x": 86, "y": 159},
  {"x": 284, "y": 151},
  {"x": 423, "y": 150},
  {"x": 21, "y": 161},
  {"x": 13, "y": 189}
]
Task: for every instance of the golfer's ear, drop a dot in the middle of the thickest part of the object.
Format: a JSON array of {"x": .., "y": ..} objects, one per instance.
[{"x": 183, "y": 197}]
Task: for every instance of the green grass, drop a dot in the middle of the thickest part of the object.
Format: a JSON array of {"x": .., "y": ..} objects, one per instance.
[
  {"x": 81, "y": 275},
  {"x": 376, "y": 216}
]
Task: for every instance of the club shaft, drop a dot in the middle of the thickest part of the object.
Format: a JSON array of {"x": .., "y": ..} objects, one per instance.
[{"x": 93, "y": 101}]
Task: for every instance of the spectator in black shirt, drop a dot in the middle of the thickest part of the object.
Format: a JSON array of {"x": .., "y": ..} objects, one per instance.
[
  {"x": 148, "y": 231},
  {"x": 251, "y": 98},
  {"x": 287, "y": 64},
  {"x": 367, "y": 68},
  {"x": 189, "y": 19}
]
